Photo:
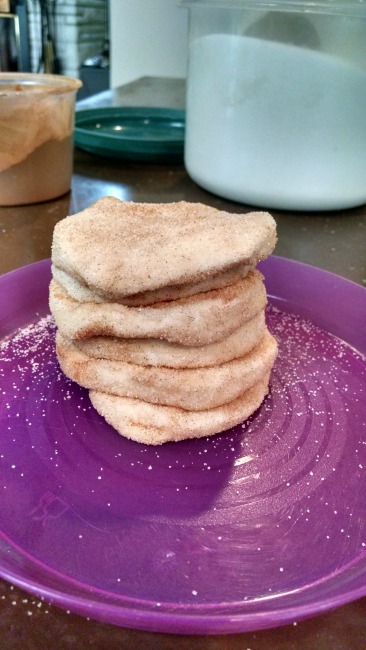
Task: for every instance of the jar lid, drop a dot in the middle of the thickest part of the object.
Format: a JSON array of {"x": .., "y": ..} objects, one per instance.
[
  {"x": 20, "y": 83},
  {"x": 345, "y": 7}
]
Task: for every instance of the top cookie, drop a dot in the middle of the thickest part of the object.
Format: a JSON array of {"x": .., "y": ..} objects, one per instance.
[{"x": 118, "y": 249}]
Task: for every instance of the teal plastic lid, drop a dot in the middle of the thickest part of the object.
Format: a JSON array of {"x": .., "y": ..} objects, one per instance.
[{"x": 132, "y": 133}]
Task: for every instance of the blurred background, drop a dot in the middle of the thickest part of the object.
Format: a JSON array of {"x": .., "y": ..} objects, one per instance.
[{"x": 105, "y": 43}]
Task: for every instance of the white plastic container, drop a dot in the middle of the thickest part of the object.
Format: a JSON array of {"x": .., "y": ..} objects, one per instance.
[{"x": 276, "y": 102}]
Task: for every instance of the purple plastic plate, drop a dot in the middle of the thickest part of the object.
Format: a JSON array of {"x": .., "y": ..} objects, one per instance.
[{"x": 253, "y": 528}]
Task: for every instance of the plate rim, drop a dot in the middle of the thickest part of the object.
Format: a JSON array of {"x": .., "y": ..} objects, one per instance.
[
  {"x": 177, "y": 623},
  {"x": 46, "y": 261},
  {"x": 163, "y": 621}
]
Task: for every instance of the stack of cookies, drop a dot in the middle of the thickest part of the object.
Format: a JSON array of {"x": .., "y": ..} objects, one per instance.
[{"x": 160, "y": 313}]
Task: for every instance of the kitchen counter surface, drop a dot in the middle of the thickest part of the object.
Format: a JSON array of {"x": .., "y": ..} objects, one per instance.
[{"x": 333, "y": 241}]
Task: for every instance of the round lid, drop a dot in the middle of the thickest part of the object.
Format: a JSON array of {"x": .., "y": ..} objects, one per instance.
[
  {"x": 21, "y": 82},
  {"x": 349, "y": 7}
]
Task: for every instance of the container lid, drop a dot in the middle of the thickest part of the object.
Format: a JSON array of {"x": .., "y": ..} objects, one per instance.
[
  {"x": 348, "y": 7},
  {"x": 132, "y": 133},
  {"x": 18, "y": 83}
]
